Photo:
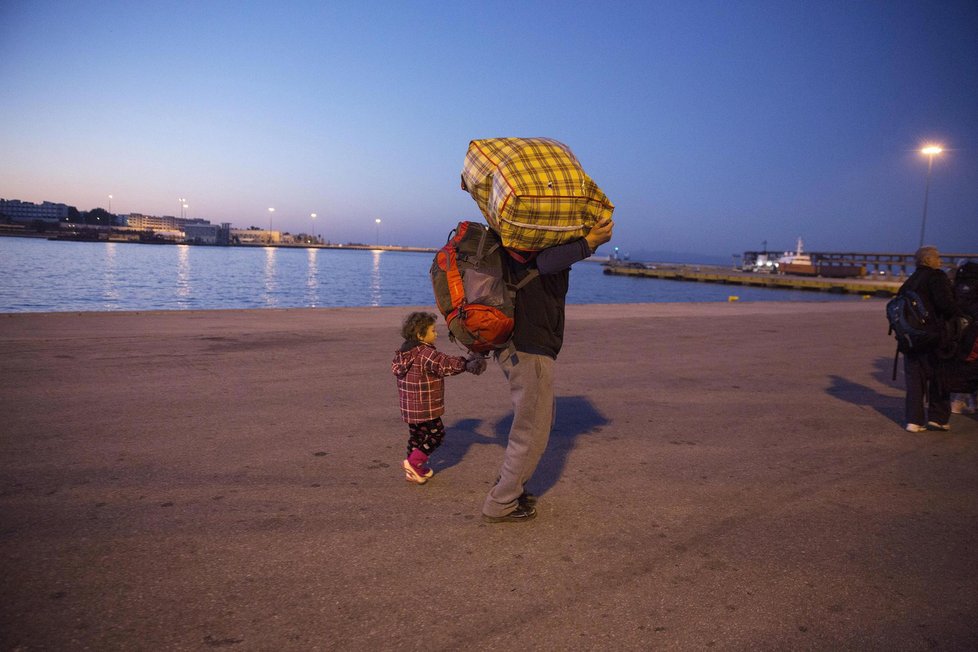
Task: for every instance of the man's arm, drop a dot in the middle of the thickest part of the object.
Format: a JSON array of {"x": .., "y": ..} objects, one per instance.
[
  {"x": 560, "y": 257},
  {"x": 556, "y": 259}
]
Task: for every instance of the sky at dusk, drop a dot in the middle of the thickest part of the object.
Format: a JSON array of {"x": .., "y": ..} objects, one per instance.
[{"x": 712, "y": 126}]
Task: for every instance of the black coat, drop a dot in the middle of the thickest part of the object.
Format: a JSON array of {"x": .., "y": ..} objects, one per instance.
[
  {"x": 934, "y": 288},
  {"x": 935, "y": 291}
]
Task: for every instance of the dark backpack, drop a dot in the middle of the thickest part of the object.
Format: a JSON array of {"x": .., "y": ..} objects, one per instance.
[
  {"x": 915, "y": 329},
  {"x": 471, "y": 290}
]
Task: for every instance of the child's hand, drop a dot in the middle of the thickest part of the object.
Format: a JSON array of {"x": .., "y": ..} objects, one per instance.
[{"x": 475, "y": 365}]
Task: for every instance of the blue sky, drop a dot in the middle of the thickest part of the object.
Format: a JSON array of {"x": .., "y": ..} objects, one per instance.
[{"x": 713, "y": 126}]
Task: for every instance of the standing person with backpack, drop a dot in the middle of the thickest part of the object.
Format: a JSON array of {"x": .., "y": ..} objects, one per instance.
[
  {"x": 528, "y": 364},
  {"x": 964, "y": 370},
  {"x": 923, "y": 371}
]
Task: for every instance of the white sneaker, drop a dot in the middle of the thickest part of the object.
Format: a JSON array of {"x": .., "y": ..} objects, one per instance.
[
  {"x": 969, "y": 404},
  {"x": 933, "y": 425},
  {"x": 913, "y": 427},
  {"x": 962, "y": 403}
]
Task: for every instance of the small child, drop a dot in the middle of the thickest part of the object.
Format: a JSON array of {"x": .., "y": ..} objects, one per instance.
[{"x": 420, "y": 370}]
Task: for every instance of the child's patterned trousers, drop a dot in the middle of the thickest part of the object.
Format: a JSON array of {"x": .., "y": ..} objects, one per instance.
[{"x": 426, "y": 435}]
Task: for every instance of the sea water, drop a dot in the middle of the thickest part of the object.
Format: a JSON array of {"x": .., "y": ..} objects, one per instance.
[{"x": 38, "y": 275}]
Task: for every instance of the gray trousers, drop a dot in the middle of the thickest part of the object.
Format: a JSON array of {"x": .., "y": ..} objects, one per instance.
[{"x": 531, "y": 389}]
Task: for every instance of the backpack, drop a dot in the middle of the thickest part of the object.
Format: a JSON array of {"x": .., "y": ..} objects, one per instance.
[
  {"x": 911, "y": 323},
  {"x": 471, "y": 290}
]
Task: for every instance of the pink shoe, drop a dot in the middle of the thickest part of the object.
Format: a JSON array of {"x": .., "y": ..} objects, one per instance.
[
  {"x": 415, "y": 469},
  {"x": 411, "y": 475},
  {"x": 419, "y": 461}
]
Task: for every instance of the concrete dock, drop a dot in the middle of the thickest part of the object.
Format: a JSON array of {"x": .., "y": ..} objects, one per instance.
[
  {"x": 727, "y": 476},
  {"x": 878, "y": 287}
]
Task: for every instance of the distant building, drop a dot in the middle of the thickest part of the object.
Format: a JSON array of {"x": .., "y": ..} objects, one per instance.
[
  {"x": 169, "y": 236},
  {"x": 165, "y": 223},
  {"x": 135, "y": 225},
  {"x": 211, "y": 234},
  {"x": 255, "y": 236},
  {"x": 153, "y": 222},
  {"x": 26, "y": 212}
]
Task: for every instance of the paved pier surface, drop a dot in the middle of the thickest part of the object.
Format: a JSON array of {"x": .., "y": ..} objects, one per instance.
[{"x": 730, "y": 476}]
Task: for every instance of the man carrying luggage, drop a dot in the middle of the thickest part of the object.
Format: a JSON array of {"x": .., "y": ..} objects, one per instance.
[{"x": 528, "y": 364}]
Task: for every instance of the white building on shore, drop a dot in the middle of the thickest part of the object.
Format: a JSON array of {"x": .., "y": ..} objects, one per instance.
[
  {"x": 255, "y": 236},
  {"x": 25, "y": 212}
]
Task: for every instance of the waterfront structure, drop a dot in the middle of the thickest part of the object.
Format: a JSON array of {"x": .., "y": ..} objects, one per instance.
[
  {"x": 25, "y": 216},
  {"x": 159, "y": 222},
  {"x": 165, "y": 223},
  {"x": 25, "y": 212},
  {"x": 716, "y": 274},
  {"x": 211, "y": 234},
  {"x": 879, "y": 274},
  {"x": 255, "y": 236},
  {"x": 851, "y": 263},
  {"x": 152, "y": 222}
]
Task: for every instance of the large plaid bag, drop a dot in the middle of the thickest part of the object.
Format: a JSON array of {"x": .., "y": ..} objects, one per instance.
[{"x": 532, "y": 191}]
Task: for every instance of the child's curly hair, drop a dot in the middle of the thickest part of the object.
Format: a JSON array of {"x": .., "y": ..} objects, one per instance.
[{"x": 416, "y": 324}]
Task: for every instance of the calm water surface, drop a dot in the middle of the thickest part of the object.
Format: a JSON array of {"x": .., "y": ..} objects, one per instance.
[{"x": 52, "y": 276}]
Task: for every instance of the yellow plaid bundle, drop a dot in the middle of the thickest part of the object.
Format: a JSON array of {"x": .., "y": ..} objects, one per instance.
[{"x": 532, "y": 191}]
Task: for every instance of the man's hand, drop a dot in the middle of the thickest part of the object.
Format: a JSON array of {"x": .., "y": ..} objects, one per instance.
[
  {"x": 475, "y": 364},
  {"x": 599, "y": 234}
]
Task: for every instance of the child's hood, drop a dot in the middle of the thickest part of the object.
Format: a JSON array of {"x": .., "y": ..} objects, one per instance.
[{"x": 405, "y": 356}]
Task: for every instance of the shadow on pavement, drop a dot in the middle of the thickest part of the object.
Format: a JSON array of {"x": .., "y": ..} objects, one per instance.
[
  {"x": 576, "y": 416},
  {"x": 883, "y": 372},
  {"x": 889, "y": 406}
]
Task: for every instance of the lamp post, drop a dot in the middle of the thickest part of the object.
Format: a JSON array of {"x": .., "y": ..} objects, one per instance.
[
  {"x": 930, "y": 151},
  {"x": 184, "y": 213},
  {"x": 182, "y": 204},
  {"x": 110, "y": 204},
  {"x": 271, "y": 212},
  {"x": 378, "y": 231},
  {"x": 312, "y": 216}
]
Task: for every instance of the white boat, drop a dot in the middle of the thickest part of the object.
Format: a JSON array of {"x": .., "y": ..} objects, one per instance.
[{"x": 796, "y": 262}]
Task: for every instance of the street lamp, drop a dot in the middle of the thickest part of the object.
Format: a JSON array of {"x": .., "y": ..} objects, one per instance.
[
  {"x": 378, "y": 231},
  {"x": 271, "y": 211},
  {"x": 110, "y": 203},
  {"x": 930, "y": 151},
  {"x": 312, "y": 216},
  {"x": 182, "y": 203}
]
